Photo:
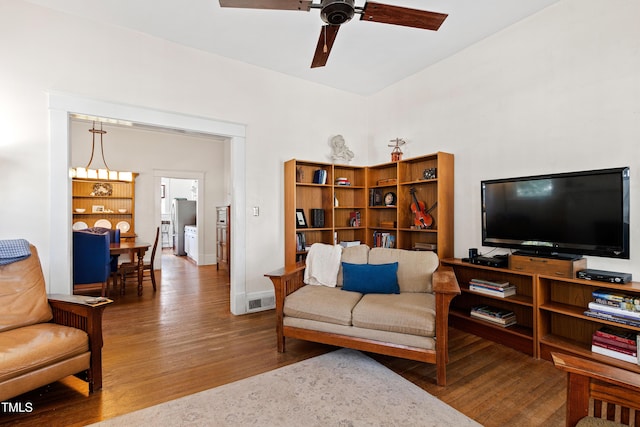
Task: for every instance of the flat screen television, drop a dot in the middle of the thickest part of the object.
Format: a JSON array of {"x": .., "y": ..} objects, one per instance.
[{"x": 565, "y": 215}]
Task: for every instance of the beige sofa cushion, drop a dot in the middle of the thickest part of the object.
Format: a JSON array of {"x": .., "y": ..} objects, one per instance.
[
  {"x": 32, "y": 347},
  {"x": 23, "y": 296},
  {"x": 322, "y": 303},
  {"x": 415, "y": 268},
  {"x": 353, "y": 255},
  {"x": 408, "y": 313}
]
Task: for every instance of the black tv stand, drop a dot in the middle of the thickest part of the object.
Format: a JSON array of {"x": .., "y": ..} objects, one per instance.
[{"x": 551, "y": 255}]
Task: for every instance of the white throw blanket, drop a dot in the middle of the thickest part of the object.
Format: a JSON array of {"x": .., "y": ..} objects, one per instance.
[{"x": 322, "y": 265}]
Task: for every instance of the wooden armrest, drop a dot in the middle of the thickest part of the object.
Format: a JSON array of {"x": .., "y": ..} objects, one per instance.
[
  {"x": 610, "y": 392},
  {"x": 445, "y": 281},
  {"x": 287, "y": 280},
  {"x": 596, "y": 370},
  {"x": 76, "y": 312},
  {"x": 63, "y": 300}
]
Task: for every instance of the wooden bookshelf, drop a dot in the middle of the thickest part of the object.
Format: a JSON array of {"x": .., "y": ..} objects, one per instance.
[
  {"x": 549, "y": 311},
  {"x": 397, "y": 219}
]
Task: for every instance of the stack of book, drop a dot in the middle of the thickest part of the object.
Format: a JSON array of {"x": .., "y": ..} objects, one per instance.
[
  {"x": 615, "y": 307},
  {"x": 494, "y": 315},
  {"x": 616, "y": 343},
  {"x": 496, "y": 288},
  {"x": 383, "y": 240}
]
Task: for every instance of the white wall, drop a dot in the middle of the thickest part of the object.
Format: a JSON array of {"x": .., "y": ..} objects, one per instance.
[
  {"x": 44, "y": 51},
  {"x": 557, "y": 92}
]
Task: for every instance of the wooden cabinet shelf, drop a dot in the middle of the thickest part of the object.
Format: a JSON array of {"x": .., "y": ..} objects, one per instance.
[
  {"x": 396, "y": 177},
  {"x": 519, "y": 336},
  {"x": 549, "y": 310},
  {"x": 108, "y": 197}
]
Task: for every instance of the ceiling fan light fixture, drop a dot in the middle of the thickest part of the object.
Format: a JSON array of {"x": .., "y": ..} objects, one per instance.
[{"x": 337, "y": 12}]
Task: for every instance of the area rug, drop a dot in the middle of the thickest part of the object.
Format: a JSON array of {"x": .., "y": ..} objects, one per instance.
[{"x": 342, "y": 388}]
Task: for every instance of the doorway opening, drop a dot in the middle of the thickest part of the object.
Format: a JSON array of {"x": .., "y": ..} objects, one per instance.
[{"x": 62, "y": 107}]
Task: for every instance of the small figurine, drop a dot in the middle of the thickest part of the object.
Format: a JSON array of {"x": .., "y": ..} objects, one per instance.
[
  {"x": 341, "y": 152},
  {"x": 396, "y": 154}
]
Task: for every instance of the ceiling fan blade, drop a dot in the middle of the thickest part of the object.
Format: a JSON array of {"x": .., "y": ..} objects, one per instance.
[
  {"x": 268, "y": 4},
  {"x": 325, "y": 43},
  {"x": 386, "y": 14}
]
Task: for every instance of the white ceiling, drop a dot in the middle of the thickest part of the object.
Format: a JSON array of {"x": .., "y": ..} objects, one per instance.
[{"x": 365, "y": 58}]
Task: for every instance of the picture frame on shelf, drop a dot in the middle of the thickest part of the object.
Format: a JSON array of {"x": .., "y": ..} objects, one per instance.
[
  {"x": 97, "y": 208},
  {"x": 301, "y": 220}
]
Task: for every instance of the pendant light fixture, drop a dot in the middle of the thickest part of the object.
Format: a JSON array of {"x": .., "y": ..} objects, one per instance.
[{"x": 105, "y": 173}]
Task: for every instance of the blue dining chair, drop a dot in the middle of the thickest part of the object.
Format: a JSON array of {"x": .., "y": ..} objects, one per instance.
[{"x": 91, "y": 258}]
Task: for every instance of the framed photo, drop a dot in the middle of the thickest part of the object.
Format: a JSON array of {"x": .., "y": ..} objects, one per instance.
[
  {"x": 97, "y": 208},
  {"x": 301, "y": 220}
]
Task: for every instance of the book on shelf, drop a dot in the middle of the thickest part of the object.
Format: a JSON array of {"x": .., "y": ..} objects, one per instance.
[
  {"x": 616, "y": 311},
  {"x": 320, "y": 176},
  {"x": 616, "y": 299},
  {"x": 354, "y": 219},
  {"x": 496, "y": 283},
  {"x": 494, "y": 315},
  {"x": 612, "y": 318},
  {"x": 617, "y": 334},
  {"x": 375, "y": 197},
  {"x": 301, "y": 242},
  {"x": 486, "y": 290},
  {"x": 348, "y": 244},
  {"x": 614, "y": 345},
  {"x": 615, "y": 354},
  {"x": 383, "y": 240}
]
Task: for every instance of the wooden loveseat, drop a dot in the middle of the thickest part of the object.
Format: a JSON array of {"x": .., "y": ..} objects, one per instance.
[
  {"x": 44, "y": 339},
  {"x": 411, "y": 324}
]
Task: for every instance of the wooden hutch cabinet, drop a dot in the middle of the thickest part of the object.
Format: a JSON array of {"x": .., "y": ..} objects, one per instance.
[{"x": 102, "y": 203}]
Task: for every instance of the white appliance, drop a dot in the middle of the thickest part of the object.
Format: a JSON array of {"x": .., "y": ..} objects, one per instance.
[{"x": 183, "y": 213}]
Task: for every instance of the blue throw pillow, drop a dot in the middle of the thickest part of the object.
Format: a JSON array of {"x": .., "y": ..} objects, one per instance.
[{"x": 370, "y": 278}]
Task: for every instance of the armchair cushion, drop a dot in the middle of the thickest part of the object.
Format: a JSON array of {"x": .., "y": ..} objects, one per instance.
[
  {"x": 23, "y": 295},
  {"x": 32, "y": 347},
  {"x": 322, "y": 303},
  {"x": 406, "y": 313},
  {"x": 370, "y": 278}
]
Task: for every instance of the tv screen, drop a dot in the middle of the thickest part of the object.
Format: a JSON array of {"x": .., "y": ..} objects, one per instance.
[{"x": 577, "y": 213}]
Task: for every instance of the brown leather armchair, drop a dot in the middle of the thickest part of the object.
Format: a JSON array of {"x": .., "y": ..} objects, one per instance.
[{"x": 44, "y": 339}]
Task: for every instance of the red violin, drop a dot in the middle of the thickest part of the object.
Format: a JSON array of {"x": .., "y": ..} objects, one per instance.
[{"x": 422, "y": 219}]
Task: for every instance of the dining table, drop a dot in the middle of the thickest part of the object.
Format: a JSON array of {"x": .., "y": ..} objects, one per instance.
[{"x": 136, "y": 251}]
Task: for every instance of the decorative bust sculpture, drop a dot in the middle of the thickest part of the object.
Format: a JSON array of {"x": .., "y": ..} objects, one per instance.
[{"x": 341, "y": 152}]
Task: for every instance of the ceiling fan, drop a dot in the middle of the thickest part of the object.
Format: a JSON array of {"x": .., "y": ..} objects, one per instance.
[{"x": 337, "y": 12}]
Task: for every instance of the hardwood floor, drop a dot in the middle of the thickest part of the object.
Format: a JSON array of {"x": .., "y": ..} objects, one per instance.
[{"x": 183, "y": 339}]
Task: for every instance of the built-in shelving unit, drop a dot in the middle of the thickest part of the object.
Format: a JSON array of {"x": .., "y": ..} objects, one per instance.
[
  {"x": 113, "y": 201},
  {"x": 549, "y": 311},
  {"x": 519, "y": 336},
  {"x": 342, "y": 203}
]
